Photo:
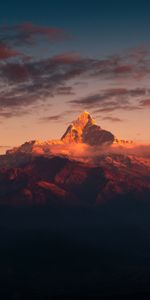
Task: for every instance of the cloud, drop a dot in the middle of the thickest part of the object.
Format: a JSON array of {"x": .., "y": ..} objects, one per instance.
[
  {"x": 32, "y": 82},
  {"x": 91, "y": 154},
  {"x": 132, "y": 63},
  {"x": 52, "y": 118},
  {"x": 141, "y": 150},
  {"x": 65, "y": 90},
  {"x": 145, "y": 102},
  {"x": 14, "y": 102},
  {"x": 5, "y": 114},
  {"x": 67, "y": 58},
  {"x": 27, "y": 33},
  {"x": 112, "y": 99},
  {"x": 117, "y": 107},
  {"x": 58, "y": 117},
  {"x": 50, "y": 68},
  {"x": 122, "y": 69},
  {"x": 6, "y": 52},
  {"x": 112, "y": 119},
  {"x": 15, "y": 72}
]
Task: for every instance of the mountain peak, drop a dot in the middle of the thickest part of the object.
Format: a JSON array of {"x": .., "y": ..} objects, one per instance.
[
  {"x": 85, "y": 130},
  {"x": 85, "y": 114},
  {"x": 83, "y": 120}
]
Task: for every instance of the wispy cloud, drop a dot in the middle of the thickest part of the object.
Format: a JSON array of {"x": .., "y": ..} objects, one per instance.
[
  {"x": 112, "y": 99},
  {"x": 132, "y": 63},
  {"x": 52, "y": 118},
  {"x": 112, "y": 119},
  {"x": 27, "y": 33},
  {"x": 65, "y": 90}
]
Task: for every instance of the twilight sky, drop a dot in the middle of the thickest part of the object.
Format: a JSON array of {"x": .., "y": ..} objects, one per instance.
[{"x": 58, "y": 58}]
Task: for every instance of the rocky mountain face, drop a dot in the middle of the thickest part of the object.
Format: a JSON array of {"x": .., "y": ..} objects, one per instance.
[
  {"x": 85, "y": 130},
  {"x": 28, "y": 179}
]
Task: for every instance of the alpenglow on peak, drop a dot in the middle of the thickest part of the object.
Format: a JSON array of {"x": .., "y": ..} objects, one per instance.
[{"x": 85, "y": 130}]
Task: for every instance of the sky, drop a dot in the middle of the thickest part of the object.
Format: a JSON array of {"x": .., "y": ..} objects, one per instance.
[{"x": 58, "y": 58}]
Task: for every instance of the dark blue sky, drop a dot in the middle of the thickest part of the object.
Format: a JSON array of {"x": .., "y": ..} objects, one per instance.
[{"x": 97, "y": 27}]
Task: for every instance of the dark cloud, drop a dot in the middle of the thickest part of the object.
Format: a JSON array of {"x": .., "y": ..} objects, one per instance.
[
  {"x": 34, "y": 81},
  {"x": 15, "y": 72},
  {"x": 89, "y": 100},
  {"x": 65, "y": 90},
  {"x": 56, "y": 69},
  {"x": 14, "y": 102},
  {"x": 112, "y": 99}
]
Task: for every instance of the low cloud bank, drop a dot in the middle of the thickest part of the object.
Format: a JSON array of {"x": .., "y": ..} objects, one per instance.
[
  {"x": 139, "y": 150},
  {"x": 83, "y": 152}
]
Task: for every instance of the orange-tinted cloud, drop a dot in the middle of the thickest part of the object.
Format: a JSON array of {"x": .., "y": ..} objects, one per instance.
[{"x": 88, "y": 153}]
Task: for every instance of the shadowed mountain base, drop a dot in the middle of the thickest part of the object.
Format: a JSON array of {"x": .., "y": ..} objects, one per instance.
[{"x": 69, "y": 253}]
